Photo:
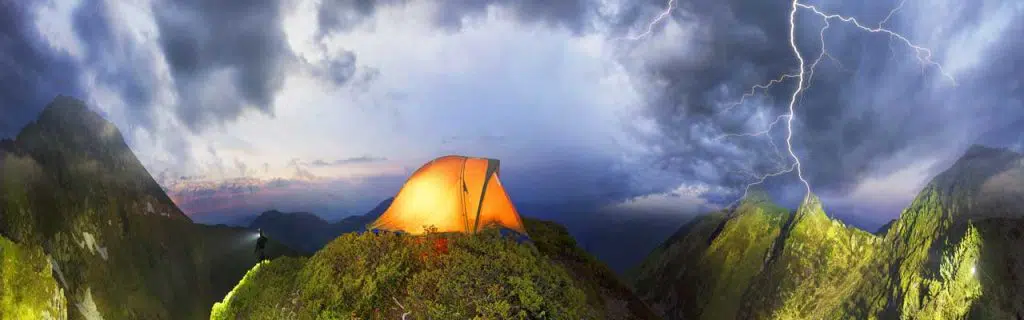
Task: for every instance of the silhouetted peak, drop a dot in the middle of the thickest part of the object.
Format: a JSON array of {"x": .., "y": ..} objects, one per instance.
[
  {"x": 72, "y": 122},
  {"x": 271, "y": 213},
  {"x": 381, "y": 207},
  {"x": 295, "y": 216}
]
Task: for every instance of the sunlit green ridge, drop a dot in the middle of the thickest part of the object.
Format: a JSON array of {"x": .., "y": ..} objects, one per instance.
[
  {"x": 437, "y": 276},
  {"x": 27, "y": 287},
  {"x": 953, "y": 253}
]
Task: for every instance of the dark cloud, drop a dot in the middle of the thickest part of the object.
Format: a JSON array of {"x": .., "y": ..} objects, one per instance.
[
  {"x": 687, "y": 109},
  {"x": 117, "y": 61},
  {"x": 340, "y": 69},
  {"x": 571, "y": 14},
  {"x": 239, "y": 41},
  {"x": 347, "y": 161},
  {"x": 224, "y": 57},
  {"x": 341, "y": 15},
  {"x": 857, "y": 117},
  {"x": 32, "y": 72}
]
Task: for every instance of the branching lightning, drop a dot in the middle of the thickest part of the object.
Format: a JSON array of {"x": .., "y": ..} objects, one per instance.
[
  {"x": 804, "y": 75},
  {"x": 792, "y": 99},
  {"x": 671, "y": 5}
]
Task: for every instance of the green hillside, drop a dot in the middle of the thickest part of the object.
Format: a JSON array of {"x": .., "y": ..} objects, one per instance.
[
  {"x": 119, "y": 248},
  {"x": 954, "y": 253},
  {"x": 27, "y": 287},
  {"x": 436, "y": 276}
]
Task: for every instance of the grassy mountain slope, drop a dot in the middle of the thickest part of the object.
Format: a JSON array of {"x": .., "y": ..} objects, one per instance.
[
  {"x": 120, "y": 248},
  {"x": 815, "y": 268},
  {"x": 438, "y": 276},
  {"x": 954, "y": 253},
  {"x": 956, "y": 250},
  {"x": 27, "y": 287},
  {"x": 726, "y": 254}
]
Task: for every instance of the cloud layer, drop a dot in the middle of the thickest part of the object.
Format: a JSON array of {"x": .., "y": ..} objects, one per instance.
[{"x": 302, "y": 89}]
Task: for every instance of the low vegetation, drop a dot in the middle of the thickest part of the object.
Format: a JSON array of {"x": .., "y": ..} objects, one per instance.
[
  {"x": 27, "y": 287},
  {"x": 386, "y": 276}
]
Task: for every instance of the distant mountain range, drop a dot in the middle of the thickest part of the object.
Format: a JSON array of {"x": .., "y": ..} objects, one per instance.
[
  {"x": 954, "y": 253},
  {"x": 77, "y": 204},
  {"x": 308, "y": 232}
]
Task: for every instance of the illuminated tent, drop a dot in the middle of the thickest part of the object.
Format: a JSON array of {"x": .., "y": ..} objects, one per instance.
[{"x": 453, "y": 194}]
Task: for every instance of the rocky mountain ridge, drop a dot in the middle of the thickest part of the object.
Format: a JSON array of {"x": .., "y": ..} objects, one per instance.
[
  {"x": 950, "y": 254},
  {"x": 115, "y": 243}
]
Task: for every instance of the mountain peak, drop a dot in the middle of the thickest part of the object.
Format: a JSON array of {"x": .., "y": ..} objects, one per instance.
[
  {"x": 74, "y": 142},
  {"x": 978, "y": 165},
  {"x": 755, "y": 195},
  {"x": 271, "y": 215},
  {"x": 811, "y": 205},
  {"x": 74, "y": 127},
  {"x": 978, "y": 151}
]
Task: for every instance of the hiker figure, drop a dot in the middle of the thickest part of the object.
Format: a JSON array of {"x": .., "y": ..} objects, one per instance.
[{"x": 261, "y": 243}]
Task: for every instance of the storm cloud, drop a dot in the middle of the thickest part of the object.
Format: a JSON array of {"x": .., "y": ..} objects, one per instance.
[
  {"x": 342, "y": 15},
  {"x": 33, "y": 73},
  {"x": 575, "y": 103},
  {"x": 216, "y": 48},
  {"x": 872, "y": 109},
  {"x": 347, "y": 161}
]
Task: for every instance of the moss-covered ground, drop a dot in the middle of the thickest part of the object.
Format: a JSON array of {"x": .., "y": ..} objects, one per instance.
[
  {"x": 437, "y": 276},
  {"x": 27, "y": 287}
]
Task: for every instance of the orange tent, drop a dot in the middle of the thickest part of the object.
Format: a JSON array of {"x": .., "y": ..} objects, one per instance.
[{"x": 453, "y": 194}]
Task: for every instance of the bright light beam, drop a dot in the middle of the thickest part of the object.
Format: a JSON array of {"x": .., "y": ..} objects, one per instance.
[{"x": 924, "y": 55}]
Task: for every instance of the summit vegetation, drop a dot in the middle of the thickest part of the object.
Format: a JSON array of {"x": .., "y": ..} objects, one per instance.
[{"x": 436, "y": 276}]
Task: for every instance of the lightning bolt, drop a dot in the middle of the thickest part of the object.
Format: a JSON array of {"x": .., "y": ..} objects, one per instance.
[
  {"x": 804, "y": 76},
  {"x": 792, "y": 100},
  {"x": 891, "y": 13},
  {"x": 923, "y": 54},
  {"x": 671, "y": 5}
]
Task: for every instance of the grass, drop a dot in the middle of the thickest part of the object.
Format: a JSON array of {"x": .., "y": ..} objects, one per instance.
[
  {"x": 436, "y": 276},
  {"x": 27, "y": 287}
]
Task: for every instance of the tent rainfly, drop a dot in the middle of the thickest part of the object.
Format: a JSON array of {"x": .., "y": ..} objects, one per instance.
[{"x": 452, "y": 194}]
